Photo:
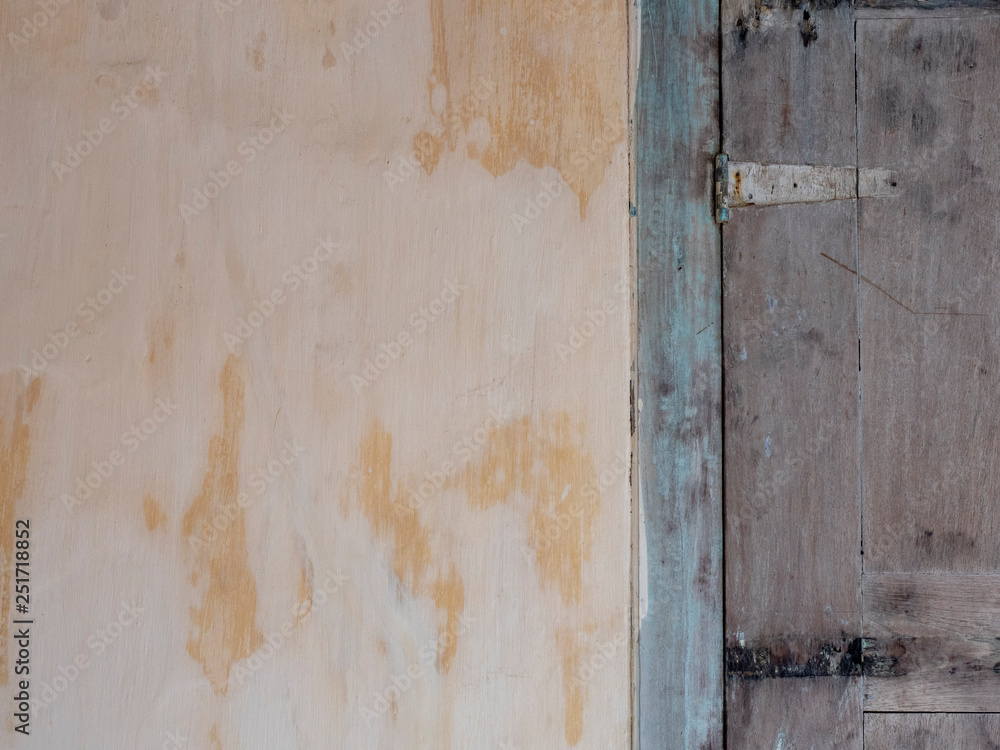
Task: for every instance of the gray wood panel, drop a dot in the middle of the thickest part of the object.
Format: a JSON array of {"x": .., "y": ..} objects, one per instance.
[
  {"x": 926, "y": 606},
  {"x": 679, "y": 443},
  {"x": 815, "y": 714},
  {"x": 932, "y": 732},
  {"x": 930, "y": 295},
  {"x": 792, "y": 506},
  {"x": 932, "y": 642},
  {"x": 930, "y": 6},
  {"x": 793, "y": 544}
]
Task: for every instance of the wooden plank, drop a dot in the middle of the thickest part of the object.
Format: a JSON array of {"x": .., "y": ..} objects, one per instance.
[
  {"x": 929, "y": 296},
  {"x": 678, "y": 388},
  {"x": 791, "y": 713},
  {"x": 314, "y": 373},
  {"x": 792, "y": 509},
  {"x": 918, "y": 11},
  {"x": 932, "y": 642},
  {"x": 925, "y": 605},
  {"x": 791, "y": 373},
  {"x": 931, "y": 731},
  {"x": 791, "y": 424},
  {"x": 932, "y": 674},
  {"x": 928, "y": 7}
]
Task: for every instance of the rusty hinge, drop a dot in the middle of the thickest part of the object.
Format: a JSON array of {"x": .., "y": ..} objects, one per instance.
[{"x": 739, "y": 184}]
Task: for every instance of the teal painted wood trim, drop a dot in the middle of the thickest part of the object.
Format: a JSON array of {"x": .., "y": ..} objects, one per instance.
[{"x": 679, "y": 660}]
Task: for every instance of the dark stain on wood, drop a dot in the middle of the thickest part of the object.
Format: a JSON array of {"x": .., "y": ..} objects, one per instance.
[
  {"x": 808, "y": 29},
  {"x": 790, "y": 657},
  {"x": 749, "y": 22}
]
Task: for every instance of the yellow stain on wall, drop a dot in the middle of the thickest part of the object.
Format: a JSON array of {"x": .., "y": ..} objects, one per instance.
[
  {"x": 305, "y": 599},
  {"x": 449, "y": 595},
  {"x": 568, "y": 643},
  {"x": 548, "y": 78},
  {"x": 386, "y": 509},
  {"x": 224, "y": 627},
  {"x": 548, "y": 463},
  {"x": 152, "y": 513}
]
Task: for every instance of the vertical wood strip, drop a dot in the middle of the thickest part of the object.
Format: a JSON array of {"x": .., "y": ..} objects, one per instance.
[
  {"x": 679, "y": 378},
  {"x": 793, "y": 543}
]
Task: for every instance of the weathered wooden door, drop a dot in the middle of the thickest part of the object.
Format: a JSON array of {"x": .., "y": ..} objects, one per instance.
[{"x": 861, "y": 372}]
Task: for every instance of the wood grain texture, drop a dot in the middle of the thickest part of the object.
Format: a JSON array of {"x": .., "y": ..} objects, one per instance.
[
  {"x": 314, "y": 372},
  {"x": 931, "y": 281},
  {"x": 933, "y": 674},
  {"x": 926, "y": 7},
  {"x": 932, "y": 731},
  {"x": 932, "y": 642},
  {"x": 824, "y": 714},
  {"x": 679, "y": 390},
  {"x": 793, "y": 545},
  {"x": 925, "y": 605}
]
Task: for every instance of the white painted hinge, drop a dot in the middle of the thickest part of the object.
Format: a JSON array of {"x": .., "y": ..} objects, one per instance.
[{"x": 740, "y": 183}]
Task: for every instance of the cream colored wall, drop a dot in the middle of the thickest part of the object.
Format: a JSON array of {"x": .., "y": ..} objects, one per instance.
[{"x": 449, "y": 180}]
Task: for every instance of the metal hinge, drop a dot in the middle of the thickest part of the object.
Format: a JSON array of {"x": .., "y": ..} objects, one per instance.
[{"x": 739, "y": 184}]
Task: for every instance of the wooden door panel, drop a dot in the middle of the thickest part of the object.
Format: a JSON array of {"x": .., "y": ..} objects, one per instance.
[
  {"x": 862, "y": 549},
  {"x": 932, "y": 732},
  {"x": 792, "y": 532},
  {"x": 790, "y": 360},
  {"x": 791, "y": 423},
  {"x": 931, "y": 642},
  {"x": 930, "y": 295}
]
